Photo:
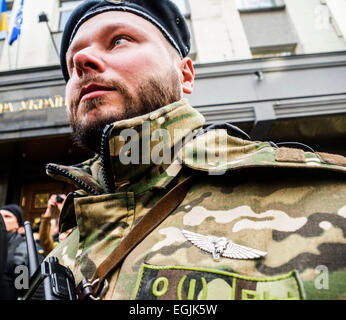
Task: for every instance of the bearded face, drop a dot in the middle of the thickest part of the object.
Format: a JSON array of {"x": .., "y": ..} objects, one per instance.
[
  {"x": 120, "y": 69},
  {"x": 151, "y": 94}
]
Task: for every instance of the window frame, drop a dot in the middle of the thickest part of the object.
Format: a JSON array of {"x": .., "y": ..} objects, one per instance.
[
  {"x": 243, "y": 7},
  {"x": 66, "y": 9},
  {"x": 288, "y": 47},
  {"x": 284, "y": 50}
]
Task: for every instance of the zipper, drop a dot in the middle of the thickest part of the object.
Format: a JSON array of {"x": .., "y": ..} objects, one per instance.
[
  {"x": 57, "y": 170},
  {"x": 106, "y": 169}
]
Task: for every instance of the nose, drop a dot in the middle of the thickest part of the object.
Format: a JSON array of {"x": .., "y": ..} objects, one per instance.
[{"x": 88, "y": 60}]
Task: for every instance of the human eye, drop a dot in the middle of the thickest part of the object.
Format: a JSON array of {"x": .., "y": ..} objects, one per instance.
[{"x": 119, "y": 40}]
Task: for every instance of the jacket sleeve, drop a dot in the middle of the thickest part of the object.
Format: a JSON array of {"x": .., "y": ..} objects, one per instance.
[
  {"x": 20, "y": 255},
  {"x": 46, "y": 240}
]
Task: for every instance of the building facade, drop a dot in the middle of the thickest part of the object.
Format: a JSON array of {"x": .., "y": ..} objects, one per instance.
[{"x": 275, "y": 68}]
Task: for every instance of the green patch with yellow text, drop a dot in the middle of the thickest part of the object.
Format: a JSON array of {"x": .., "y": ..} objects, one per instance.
[{"x": 187, "y": 283}]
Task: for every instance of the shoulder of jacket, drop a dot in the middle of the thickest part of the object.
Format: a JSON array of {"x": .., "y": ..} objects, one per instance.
[
  {"x": 216, "y": 152},
  {"x": 16, "y": 239},
  {"x": 68, "y": 247}
]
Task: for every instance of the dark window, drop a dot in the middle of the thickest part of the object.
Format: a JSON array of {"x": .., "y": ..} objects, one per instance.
[{"x": 268, "y": 27}]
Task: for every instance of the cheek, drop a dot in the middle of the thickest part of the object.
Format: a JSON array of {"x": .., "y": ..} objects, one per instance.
[
  {"x": 10, "y": 223},
  {"x": 69, "y": 94},
  {"x": 140, "y": 65}
]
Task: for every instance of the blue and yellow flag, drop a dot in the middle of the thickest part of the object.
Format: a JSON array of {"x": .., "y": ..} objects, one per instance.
[
  {"x": 17, "y": 24},
  {"x": 3, "y": 17}
]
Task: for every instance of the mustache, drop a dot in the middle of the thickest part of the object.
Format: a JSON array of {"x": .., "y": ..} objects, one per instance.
[{"x": 89, "y": 78}]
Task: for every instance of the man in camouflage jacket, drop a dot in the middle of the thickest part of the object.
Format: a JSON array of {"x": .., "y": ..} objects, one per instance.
[{"x": 258, "y": 222}]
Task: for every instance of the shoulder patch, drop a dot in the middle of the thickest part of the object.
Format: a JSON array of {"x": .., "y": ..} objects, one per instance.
[
  {"x": 333, "y": 158},
  {"x": 216, "y": 152},
  {"x": 194, "y": 283},
  {"x": 290, "y": 155}
]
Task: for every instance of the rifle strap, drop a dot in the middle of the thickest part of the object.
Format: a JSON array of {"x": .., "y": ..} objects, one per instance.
[{"x": 161, "y": 210}]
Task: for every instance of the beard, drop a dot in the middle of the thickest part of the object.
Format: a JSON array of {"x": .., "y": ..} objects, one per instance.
[{"x": 150, "y": 95}]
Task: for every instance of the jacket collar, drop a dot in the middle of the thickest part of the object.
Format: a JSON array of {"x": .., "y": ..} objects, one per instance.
[
  {"x": 142, "y": 150},
  {"x": 138, "y": 153}
]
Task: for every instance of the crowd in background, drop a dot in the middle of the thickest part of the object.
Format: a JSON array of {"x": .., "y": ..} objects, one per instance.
[{"x": 13, "y": 248}]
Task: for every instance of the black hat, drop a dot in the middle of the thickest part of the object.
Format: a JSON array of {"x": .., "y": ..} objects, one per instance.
[
  {"x": 164, "y": 14},
  {"x": 17, "y": 211}
]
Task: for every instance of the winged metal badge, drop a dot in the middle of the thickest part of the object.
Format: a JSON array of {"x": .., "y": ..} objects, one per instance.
[{"x": 222, "y": 247}]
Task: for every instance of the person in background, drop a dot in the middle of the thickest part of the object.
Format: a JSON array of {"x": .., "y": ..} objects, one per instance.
[
  {"x": 3, "y": 248},
  {"x": 35, "y": 231},
  {"x": 17, "y": 254},
  {"x": 49, "y": 227}
]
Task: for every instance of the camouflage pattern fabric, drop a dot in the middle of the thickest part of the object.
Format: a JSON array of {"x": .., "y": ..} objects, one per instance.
[
  {"x": 324, "y": 127},
  {"x": 283, "y": 201}
]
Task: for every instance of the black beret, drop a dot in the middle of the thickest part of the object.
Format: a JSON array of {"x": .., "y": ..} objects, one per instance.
[
  {"x": 17, "y": 211},
  {"x": 164, "y": 14}
]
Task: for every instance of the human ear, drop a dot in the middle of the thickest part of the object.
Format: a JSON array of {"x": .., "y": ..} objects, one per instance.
[{"x": 188, "y": 75}]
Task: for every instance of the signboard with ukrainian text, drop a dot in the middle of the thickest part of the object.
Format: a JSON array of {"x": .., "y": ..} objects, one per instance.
[
  {"x": 32, "y": 104},
  {"x": 35, "y": 117},
  {"x": 43, "y": 103}
]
